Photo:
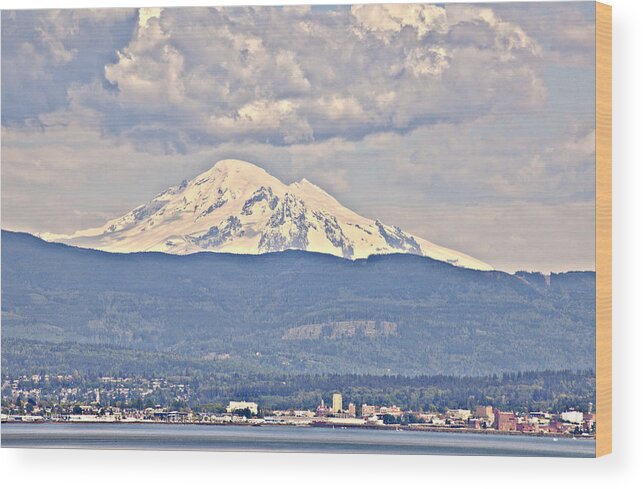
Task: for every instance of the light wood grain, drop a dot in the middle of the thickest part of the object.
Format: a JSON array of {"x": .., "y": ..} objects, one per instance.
[{"x": 603, "y": 229}]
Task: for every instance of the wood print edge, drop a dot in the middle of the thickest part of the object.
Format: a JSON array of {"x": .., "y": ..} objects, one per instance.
[{"x": 603, "y": 229}]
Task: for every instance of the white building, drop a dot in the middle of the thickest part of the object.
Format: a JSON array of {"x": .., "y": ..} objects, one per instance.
[
  {"x": 462, "y": 414},
  {"x": 240, "y": 405},
  {"x": 572, "y": 417},
  {"x": 303, "y": 414}
]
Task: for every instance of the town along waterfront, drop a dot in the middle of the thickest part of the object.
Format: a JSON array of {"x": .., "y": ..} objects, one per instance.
[{"x": 285, "y": 439}]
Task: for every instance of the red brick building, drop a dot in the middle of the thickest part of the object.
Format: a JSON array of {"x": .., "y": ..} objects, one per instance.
[{"x": 504, "y": 421}]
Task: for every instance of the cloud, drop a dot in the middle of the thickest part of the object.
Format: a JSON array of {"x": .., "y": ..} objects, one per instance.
[
  {"x": 584, "y": 144},
  {"x": 289, "y": 76},
  {"x": 566, "y": 32},
  {"x": 514, "y": 236},
  {"x": 44, "y": 52},
  {"x": 388, "y": 20}
]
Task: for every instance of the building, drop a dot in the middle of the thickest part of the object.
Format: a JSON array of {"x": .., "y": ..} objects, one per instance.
[
  {"x": 474, "y": 423},
  {"x": 527, "y": 424},
  {"x": 484, "y": 412},
  {"x": 352, "y": 410},
  {"x": 540, "y": 415},
  {"x": 303, "y": 414},
  {"x": 575, "y": 417},
  {"x": 241, "y": 405},
  {"x": 459, "y": 414},
  {"x": 556, "y": 426},
  {"x": 322, "y": 409},
  {"x": 392, "y": 410},
  {"x": 368, "y": 411},
  {"x": 504, "y": 421},
  {"x": 337, "y": 403},
  {"x": 589, "y": 421}
]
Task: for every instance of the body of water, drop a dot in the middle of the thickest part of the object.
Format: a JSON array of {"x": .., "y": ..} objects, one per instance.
[{"x": 285, "y": 439}]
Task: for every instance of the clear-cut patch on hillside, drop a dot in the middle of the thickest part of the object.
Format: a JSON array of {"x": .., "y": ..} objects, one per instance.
[{"x": 341, "y": 329}]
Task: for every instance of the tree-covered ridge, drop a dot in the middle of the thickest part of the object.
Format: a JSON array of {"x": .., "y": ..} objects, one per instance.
[
  {"x": 231, "y": 313},
  {"x": 550, "y": 391}
]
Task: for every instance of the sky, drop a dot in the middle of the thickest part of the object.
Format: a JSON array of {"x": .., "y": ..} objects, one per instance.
[{"x": 470, "y": 125}]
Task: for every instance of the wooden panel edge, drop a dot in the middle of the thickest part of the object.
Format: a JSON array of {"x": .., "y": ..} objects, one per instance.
[{"x": 603, "y": 229}]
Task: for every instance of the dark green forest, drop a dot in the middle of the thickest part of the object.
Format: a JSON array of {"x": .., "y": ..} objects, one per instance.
[
  {"x": 74, "y": 310},
  {"x": 533, "y": 391}
]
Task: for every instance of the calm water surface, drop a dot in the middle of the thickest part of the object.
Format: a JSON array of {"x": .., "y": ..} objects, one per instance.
[{"x": 284, "y": 439}]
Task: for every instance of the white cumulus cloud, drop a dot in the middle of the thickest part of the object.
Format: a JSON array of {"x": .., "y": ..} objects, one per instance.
[{"x": 286, "y": 76}]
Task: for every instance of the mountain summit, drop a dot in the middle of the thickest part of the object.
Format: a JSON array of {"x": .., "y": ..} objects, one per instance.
[{"x": 237, "y": 207}]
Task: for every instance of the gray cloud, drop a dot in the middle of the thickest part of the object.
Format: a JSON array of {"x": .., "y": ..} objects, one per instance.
[
  {"x": 213, "y": 75},
  {"x": 566, "y": 32},
  {"x": 44, "y": 52}
]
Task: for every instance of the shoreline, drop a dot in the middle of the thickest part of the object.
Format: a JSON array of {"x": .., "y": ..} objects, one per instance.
[{"x": 394, "y": 428}]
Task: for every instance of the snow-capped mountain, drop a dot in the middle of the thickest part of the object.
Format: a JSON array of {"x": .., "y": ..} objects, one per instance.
[{"x": 237, "y": 207}]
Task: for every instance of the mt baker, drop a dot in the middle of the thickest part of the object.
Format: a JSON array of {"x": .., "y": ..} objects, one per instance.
[{"x": 237, "y": 207}]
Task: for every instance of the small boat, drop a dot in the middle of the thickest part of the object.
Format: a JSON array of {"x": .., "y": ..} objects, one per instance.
[{"x": 555, "y": 439}]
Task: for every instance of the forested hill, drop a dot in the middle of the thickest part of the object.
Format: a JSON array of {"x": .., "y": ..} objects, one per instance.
[{"x": 290, "y": 312}]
